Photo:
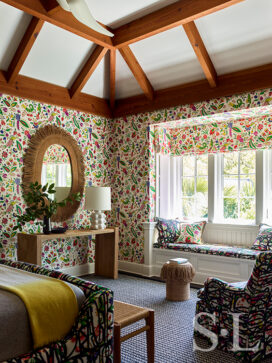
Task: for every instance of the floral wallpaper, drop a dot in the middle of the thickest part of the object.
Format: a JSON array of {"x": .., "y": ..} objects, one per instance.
[
  {"x": 19, "y": 119},
  {"x": 119, "y": 153}
]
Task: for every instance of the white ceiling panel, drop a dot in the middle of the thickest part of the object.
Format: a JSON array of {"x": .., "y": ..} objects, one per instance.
[
  {"x": 168, "y": 59},
  {"x": 56, "y": 56},
  {"x": 13, "y": 24},
  {"x": 240, "y": 36},
  {"x": 126, "y": 84},
  {"x": 98, "y": 84},
  {"x": 118, "y": 12}
]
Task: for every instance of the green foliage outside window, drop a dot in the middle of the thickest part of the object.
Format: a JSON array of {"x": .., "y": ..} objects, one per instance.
[{"x": 239, "y": 185}]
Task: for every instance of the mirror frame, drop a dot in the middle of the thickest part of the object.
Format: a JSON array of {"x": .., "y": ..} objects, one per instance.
[{"x": 33, "y": 161}]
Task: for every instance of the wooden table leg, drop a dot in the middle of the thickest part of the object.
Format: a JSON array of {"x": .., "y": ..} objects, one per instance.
[
  {"x": 150, "y": 341},
  {"x": 117, "y": 343},
  {"x": 29, "y": 248},
  {"x": 106, "y": 254}
]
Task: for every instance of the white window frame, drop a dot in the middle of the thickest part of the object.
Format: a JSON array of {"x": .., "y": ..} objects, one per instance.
[
  {"x": 195, "y": 175},
  {"x": 218, "y": 213},
  {"x": 215, "y": 181},
  {"x": 267, "y": 187}
]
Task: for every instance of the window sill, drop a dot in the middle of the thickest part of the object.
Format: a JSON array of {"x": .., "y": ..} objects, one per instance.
[{"x": 232, "y": 225}]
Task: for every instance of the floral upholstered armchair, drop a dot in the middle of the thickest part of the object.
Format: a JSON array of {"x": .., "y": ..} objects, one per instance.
[{"x": 239, "y": 314}]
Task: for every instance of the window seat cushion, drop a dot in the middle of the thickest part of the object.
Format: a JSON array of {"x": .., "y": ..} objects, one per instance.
[{"x": 226, "y": 251}]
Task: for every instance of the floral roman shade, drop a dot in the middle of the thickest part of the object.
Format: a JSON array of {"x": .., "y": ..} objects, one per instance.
[
  {"x": 215, "y": 137},
  {"x": 56, "y": 154}
]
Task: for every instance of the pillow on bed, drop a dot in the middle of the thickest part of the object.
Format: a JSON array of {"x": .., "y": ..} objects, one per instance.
[
  {"x": 191, "y": 232},
  {"x": 263, "y": 241},
  {"x": 168, "y": 231}
]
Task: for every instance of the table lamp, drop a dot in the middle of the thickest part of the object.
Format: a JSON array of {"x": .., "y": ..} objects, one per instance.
[{"x": 98, "y": 199}]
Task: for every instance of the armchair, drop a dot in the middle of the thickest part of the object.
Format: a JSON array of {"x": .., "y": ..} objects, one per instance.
[{"x": 250, "y": 302}]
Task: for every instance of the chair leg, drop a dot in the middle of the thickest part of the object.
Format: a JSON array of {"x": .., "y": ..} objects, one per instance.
[
  {"x": 150, "y": 341},
  {"x": 117, "y": 343}
]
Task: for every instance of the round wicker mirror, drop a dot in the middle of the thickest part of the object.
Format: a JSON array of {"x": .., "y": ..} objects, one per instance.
[{"x": 33, "y": 164}]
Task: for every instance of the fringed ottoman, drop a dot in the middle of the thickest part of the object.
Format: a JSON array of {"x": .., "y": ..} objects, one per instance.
[{"x": 178, "y": 277}]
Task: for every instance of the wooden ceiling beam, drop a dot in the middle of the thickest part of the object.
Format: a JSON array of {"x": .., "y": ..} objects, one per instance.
[
  {"x": 51, "y": 6},
  {"x": 234, "y": 83},
  {"x": 62, "y": 19},
  {"x": 112, "y": 77},
  {"x": 179, "y": 13},
  {"x": 24, "y": 48},
  {"x": 54, "y": 95},
  {"x": 137, "y": 71},
  {"x": 87, "y": 70},
  {"x": 201, "y": 52}
]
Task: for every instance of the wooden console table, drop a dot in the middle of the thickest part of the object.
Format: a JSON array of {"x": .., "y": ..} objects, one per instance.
[{"x": 106, "y": 248}]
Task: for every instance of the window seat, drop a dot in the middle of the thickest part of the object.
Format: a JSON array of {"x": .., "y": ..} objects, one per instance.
[
  {"x": 226, "y": 251},
  {"x": 226, "y": 261}
]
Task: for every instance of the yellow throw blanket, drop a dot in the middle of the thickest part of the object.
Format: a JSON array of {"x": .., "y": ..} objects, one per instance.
[{"x": 51, "y": 304}]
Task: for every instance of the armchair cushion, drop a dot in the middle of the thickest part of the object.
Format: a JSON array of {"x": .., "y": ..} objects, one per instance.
[{"x": 216, "y": 293}]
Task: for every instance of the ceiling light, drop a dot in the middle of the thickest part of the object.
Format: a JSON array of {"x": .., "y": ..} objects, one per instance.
[{"x": 82, "y": 13}]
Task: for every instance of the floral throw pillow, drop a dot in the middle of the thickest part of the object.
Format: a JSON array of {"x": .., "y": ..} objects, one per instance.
[
  {"x": 263, "y": 241},
  {"x": 168, "y": 231},
  {"x": 191, "y": 232}
]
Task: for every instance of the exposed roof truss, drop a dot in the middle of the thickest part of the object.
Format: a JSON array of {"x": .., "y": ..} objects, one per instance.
[{"x": 181, "y": 13}]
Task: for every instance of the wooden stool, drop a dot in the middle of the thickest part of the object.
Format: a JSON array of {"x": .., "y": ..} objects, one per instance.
[
  {"x": 178, "y": 278},
  {"x": 127, "y": 314}
]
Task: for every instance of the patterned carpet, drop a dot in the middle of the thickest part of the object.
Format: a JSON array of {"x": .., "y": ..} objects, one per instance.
[{"x": 173, "y": 323}]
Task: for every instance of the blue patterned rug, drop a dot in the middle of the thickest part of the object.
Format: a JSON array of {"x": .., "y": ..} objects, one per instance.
[{"x": 173, "y": 323}]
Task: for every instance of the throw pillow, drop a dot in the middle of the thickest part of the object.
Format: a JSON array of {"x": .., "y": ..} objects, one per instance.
[
  {"x": 191, "y": 232},
  {"x": 263, "y": 241},
  {"x": 168, "y": 231}
]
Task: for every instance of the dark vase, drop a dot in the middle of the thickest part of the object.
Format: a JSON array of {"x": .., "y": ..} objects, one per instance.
[{"x": 46, "y": 225}]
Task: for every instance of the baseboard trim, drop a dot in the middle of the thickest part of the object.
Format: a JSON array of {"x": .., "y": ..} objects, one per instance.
[
  {"x": 124, "y": 266},
  {"x": 136, "y": 268},
  {"x": 79, "y": 270}
]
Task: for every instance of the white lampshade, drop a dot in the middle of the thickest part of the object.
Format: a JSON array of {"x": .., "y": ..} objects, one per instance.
[
  {"x": 98, "y": 198},
  {"x": 62, "y": 193}
]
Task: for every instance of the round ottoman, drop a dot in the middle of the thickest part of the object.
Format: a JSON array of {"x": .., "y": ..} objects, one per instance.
[{"x": 178, "y": 277}]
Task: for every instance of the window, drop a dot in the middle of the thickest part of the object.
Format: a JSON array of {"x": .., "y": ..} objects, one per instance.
[
  {"x": 59, "y": 174},
  {"x": 194, "y": 185},
  {"x": 238, "y": 194},
  {"x": 220, "y": 188}
]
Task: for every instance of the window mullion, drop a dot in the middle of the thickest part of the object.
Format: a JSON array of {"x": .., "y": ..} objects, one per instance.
[
  {"x": 239, "y": 175},
  {"x": 181, "y": 186},
  {"x": 158, "y": 181},
  {"x": 195, "y": 174},
  {"x": 220, "y": 190},
  {"x": 212, "y": 186},
  {"x": 260, "y": 203}
]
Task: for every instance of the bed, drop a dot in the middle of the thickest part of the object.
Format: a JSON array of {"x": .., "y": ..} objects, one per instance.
[{"x": 90, "y": 339}]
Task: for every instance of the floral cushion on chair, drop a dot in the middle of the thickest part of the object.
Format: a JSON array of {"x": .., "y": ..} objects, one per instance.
[
  {"x": 168, "y": 231},
  {"x": 263, "y": 241},
  {"x": 191, "y": 232}
]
